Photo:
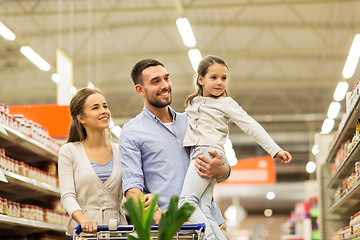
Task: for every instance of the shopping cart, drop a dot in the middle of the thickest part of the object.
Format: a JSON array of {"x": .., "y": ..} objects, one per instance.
[{"x": 187, "y": 231}]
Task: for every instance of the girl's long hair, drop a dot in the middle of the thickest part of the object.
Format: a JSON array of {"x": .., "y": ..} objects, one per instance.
[
  {"x": 77, "y": 131},
  {"x": 203, "y": 67}
]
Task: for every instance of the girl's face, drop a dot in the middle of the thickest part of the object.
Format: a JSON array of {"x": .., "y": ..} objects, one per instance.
[
  {"x": 96, "y": 114},
  {"x": 214, "y": 81}
]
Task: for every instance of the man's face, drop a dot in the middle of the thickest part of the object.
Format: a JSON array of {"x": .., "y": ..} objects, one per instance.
[{"x": 156, "y": 86}]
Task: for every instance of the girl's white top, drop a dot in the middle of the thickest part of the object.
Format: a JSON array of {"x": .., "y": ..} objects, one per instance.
[{"x": 208, "y": 124}]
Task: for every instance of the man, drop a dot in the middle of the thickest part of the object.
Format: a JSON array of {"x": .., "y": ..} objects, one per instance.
[{"x": 151, "y": 145}]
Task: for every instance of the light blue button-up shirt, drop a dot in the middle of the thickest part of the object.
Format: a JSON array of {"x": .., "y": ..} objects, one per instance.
[{"x": 153, "y": 157}]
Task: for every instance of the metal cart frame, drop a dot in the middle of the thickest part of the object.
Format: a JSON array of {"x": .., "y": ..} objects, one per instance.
[{"x": 187, "y": 231}]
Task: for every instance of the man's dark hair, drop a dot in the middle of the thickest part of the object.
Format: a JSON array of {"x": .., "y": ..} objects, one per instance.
[{"x": 136, "y": 72}]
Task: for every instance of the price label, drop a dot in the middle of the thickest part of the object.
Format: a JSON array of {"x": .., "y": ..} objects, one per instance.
[
  {"x": 2, "y": 130},
  {"x": 2, "y": 177}
]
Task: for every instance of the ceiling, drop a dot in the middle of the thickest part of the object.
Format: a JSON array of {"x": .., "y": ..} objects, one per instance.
[{"x": 285, "y": 59}]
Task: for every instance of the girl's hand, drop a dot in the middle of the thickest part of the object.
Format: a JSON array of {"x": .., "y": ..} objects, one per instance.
[
  {"x": 89, "y": 226},
  {"x": 284, "y": 156}
]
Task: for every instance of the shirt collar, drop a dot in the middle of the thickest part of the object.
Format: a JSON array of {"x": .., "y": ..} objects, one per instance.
[{"x": 150, "y": 115}]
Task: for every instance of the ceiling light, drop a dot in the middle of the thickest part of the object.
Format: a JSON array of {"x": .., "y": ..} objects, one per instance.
[
  {"x": 55, "y": 77},
  {"x": 315, "y": 149},
  {"x": 340, "y": 91},
  {"x": 334, "y": 110},
  {"x": 310, "y": 167},
  {"x": 268, "y": 212},
  {"x": 353, "y": 58},
  {"x": 195, "y": 58},
  {"x": 6, "y": 33},
  {"x": 186, "y": 32},
  {"x": 270, "y": 195},
  {"x": 327, "y": 126},
  {"x": 35, "y": 58},
  {"x": 91, "y": 85},
  {"x": 73, "y": 90}
]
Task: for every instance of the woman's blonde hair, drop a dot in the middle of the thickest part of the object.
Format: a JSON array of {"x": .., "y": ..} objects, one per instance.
[{"x": 203, "y": 67}]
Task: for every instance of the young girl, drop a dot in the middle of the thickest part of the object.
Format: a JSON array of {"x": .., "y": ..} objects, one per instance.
[
  {"x": 89, "y": 166},
  {"x": 210, "y": 110}
]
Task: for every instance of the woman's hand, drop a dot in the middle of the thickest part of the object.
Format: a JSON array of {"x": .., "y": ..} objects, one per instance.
[
  {"x": 89, "y": 226},
  {"x": 157, "y": 215}
]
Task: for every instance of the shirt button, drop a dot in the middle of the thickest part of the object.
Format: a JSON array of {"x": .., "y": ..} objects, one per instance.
[
  {"x": 179, "y": 140},
  {"x": 184, "y": 157}
]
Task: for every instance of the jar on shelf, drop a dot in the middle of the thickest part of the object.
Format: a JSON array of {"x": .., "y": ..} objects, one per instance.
[
  {"x": 7, "y": 163},
  {"x": 11, "y": 209},
  {"x": 2, "y": 161},
  {"x": 32, "y": 212},
  {"x": 5, "y": 206},
  {"x": 1, "y": 205},
  {"x": 24, "y": 211},
  {"x": 18, "y": 210},
  {"x": 2, "y": 117},
  {"x": 16, "y": 166},
  {"x": 356, "y": 224},
  {"x": 41, "y": 214},
  {"x": 46, "y": 215},
  {"x": 21, "y": 168}
]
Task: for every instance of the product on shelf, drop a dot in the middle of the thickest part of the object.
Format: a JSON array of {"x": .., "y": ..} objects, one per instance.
[
  {"x": 348, "y": 183},
  {"x": 352, "y": 97},
  {"x": 345, "y": 233},
  {"x": 28, "y": 128},
  {"x": 33, "y": 212},
  {"x": 26, "y": 134},
  {"x": 355, "y": 225},
  {"x": 23, "y": 169}
]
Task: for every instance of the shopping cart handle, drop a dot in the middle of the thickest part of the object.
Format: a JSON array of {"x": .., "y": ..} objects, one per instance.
[
  {"x": 198, "y": 226},
  {"x": 106, "y": 228}
]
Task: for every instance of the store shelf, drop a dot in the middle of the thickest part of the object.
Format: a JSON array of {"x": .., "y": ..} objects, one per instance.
[
  {"x": 348, "y": 203},
  {"x": 16, "y": 180},
  {"x": 346, "y": 167},
  {"x": 29, "y": 225},
  {"x": 347, "y": 131},
  {"x": 23, "y": 147}
]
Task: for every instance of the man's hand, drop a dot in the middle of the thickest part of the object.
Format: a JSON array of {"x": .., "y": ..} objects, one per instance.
[
  {"x": 147, "y": 198},
  {"x": 212, "y": 168},
  {"x": 284, "y": 156}
]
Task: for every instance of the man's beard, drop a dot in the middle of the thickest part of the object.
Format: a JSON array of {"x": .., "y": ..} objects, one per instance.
[{"x": 158, "y": 104}]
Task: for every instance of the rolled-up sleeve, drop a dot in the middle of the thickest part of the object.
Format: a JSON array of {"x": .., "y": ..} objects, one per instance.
[
  {"x": 130, "y": 155},
  {"x": 66, "y": 181}
]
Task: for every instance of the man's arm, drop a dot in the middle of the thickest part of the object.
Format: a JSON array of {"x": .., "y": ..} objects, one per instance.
[
  {"x": 135, "y": 193},
  {"x": 212, "y": 168}
]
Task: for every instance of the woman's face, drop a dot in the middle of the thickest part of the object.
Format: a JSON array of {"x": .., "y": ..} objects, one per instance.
[
  {"x": 214, "y": 81},
  {"x": 96, "y": 114}
]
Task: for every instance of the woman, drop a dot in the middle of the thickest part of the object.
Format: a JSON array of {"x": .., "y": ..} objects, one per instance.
[{"x": 89, "y": 166}]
